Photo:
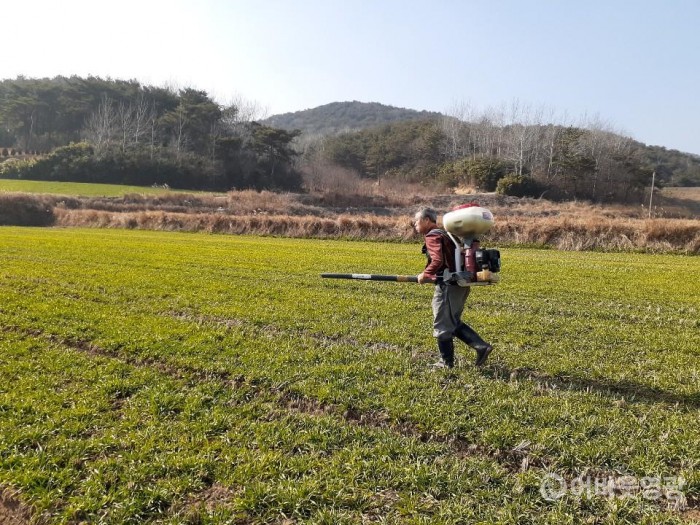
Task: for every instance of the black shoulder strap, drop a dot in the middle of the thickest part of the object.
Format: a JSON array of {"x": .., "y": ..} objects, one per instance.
[
  {"x": 438, "y": 231},
  {"x": 446, "y": 237}
]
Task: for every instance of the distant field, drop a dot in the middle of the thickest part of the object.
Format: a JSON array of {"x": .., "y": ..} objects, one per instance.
[
  {"x": 78, "y": 189},
  {"x": 190, "y": 378},
  {"x": 683, "y": 200},
  {"x": 682, "y": 193}
]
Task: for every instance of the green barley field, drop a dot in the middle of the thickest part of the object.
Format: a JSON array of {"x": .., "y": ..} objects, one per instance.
[{"x": 189, "y": 378}]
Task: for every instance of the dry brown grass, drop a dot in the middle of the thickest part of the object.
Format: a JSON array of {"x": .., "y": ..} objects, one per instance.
[
  {"x": 233, "y": 202},
  {"x": 26, "y": 210},
  {"x": 343, "y": 226},
  {"x": 321, "y": 203},
  {"x": 565, "y": 233},
  {"x": 566, "y": 226},
  {"x": 599, "y": 232}
]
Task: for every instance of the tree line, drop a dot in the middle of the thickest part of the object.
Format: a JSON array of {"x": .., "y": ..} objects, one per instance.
[
  {"x": 115, "y": 131},
  {"x": 516, "y": 150},
  {"x": 123, "y": 132}
]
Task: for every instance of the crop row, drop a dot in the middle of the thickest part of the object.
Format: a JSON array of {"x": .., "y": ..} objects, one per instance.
[{"x": 583, "y": 378}]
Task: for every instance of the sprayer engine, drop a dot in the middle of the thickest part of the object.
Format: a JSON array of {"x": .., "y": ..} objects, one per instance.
[
  {"x": 488, "y": 264},
  {"x": 472, "y": 263}
]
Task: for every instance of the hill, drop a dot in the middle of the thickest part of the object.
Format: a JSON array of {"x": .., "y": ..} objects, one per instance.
[
  {"x": 347, "y": 126},
  {"x": 338, "y": 117},
  {"x": 142, "y": 135}
]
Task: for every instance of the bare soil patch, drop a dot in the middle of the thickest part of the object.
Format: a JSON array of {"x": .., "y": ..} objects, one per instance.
[{"x": 12, "y": 510}]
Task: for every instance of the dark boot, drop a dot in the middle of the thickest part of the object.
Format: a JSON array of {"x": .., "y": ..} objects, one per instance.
[
  {"x": 447, "y": 353},
  {"x": 465, "y": 333}
]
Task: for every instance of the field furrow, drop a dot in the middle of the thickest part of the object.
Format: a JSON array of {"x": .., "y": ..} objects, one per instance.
[{"x": 595, "y": 371}]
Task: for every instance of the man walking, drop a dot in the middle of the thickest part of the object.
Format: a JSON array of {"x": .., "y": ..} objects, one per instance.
[{"x": 448, "y": 299}]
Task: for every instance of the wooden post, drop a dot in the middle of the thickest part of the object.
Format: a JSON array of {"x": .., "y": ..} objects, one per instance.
[{"x": 651, "y": 196}]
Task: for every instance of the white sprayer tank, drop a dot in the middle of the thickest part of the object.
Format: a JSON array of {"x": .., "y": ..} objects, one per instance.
[{"x": 468, "y": 220}]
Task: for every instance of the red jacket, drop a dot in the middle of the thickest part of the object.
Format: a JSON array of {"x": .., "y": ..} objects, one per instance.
[{"x": 440, "y": 252}]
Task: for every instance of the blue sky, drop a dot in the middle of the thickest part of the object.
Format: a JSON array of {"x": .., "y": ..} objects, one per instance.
[{"x": 632, "y": 63}]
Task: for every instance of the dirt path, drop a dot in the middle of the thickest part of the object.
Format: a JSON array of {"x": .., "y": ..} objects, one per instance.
[{"x": 12, "y": 512}]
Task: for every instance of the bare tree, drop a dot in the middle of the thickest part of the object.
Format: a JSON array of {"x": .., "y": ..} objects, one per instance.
[
  {"x": 549, "y": 140},
  {"x": 141, "y": 117},
  {"x": 320, "y": 176},
  {"x": 249, "y": 110},
  {"x": 125, "y": 122},
  {"x": 606, "y": 146},
  {"x": 215, "y": 134},
  {"x": 489, "y": 133},
  {"x": 236, "y": 115},
  {"x": 520, "y": 135},
  {"x": 230, "y": 118},
  {"x": 238, "y": 112},
  {"x": 101, "y": 127},
  {"x": 152, "y": 124},
  {"x": 180, "y": 136},
  {"x": 457, "y": 128}
]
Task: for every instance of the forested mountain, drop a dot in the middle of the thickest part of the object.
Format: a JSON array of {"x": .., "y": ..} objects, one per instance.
[
  {"x": 338, "y": 117},
  {"x": 673, "y": 166},
  {"x": 97, "y": 130},
  {"x": 560, "y": 162},
  {"x": 102, "y": 130},
  {"x": 389, "y": 143}
]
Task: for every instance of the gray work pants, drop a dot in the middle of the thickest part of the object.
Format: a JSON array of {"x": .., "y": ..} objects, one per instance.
[{"x": 448, "y": 305}]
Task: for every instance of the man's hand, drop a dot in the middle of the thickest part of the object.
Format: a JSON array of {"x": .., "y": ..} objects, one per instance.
[{"x": 422, "y": 279}]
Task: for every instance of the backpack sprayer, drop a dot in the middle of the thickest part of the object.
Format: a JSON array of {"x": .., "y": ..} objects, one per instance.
[{"x": 473, "y": 266}]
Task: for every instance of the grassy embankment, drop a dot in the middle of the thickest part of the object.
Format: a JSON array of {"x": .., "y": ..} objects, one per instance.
[
  {"x": 163, "y": 377},
  {"x": 78, "y": 189},
  {"x": 566, "y": 226}
]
